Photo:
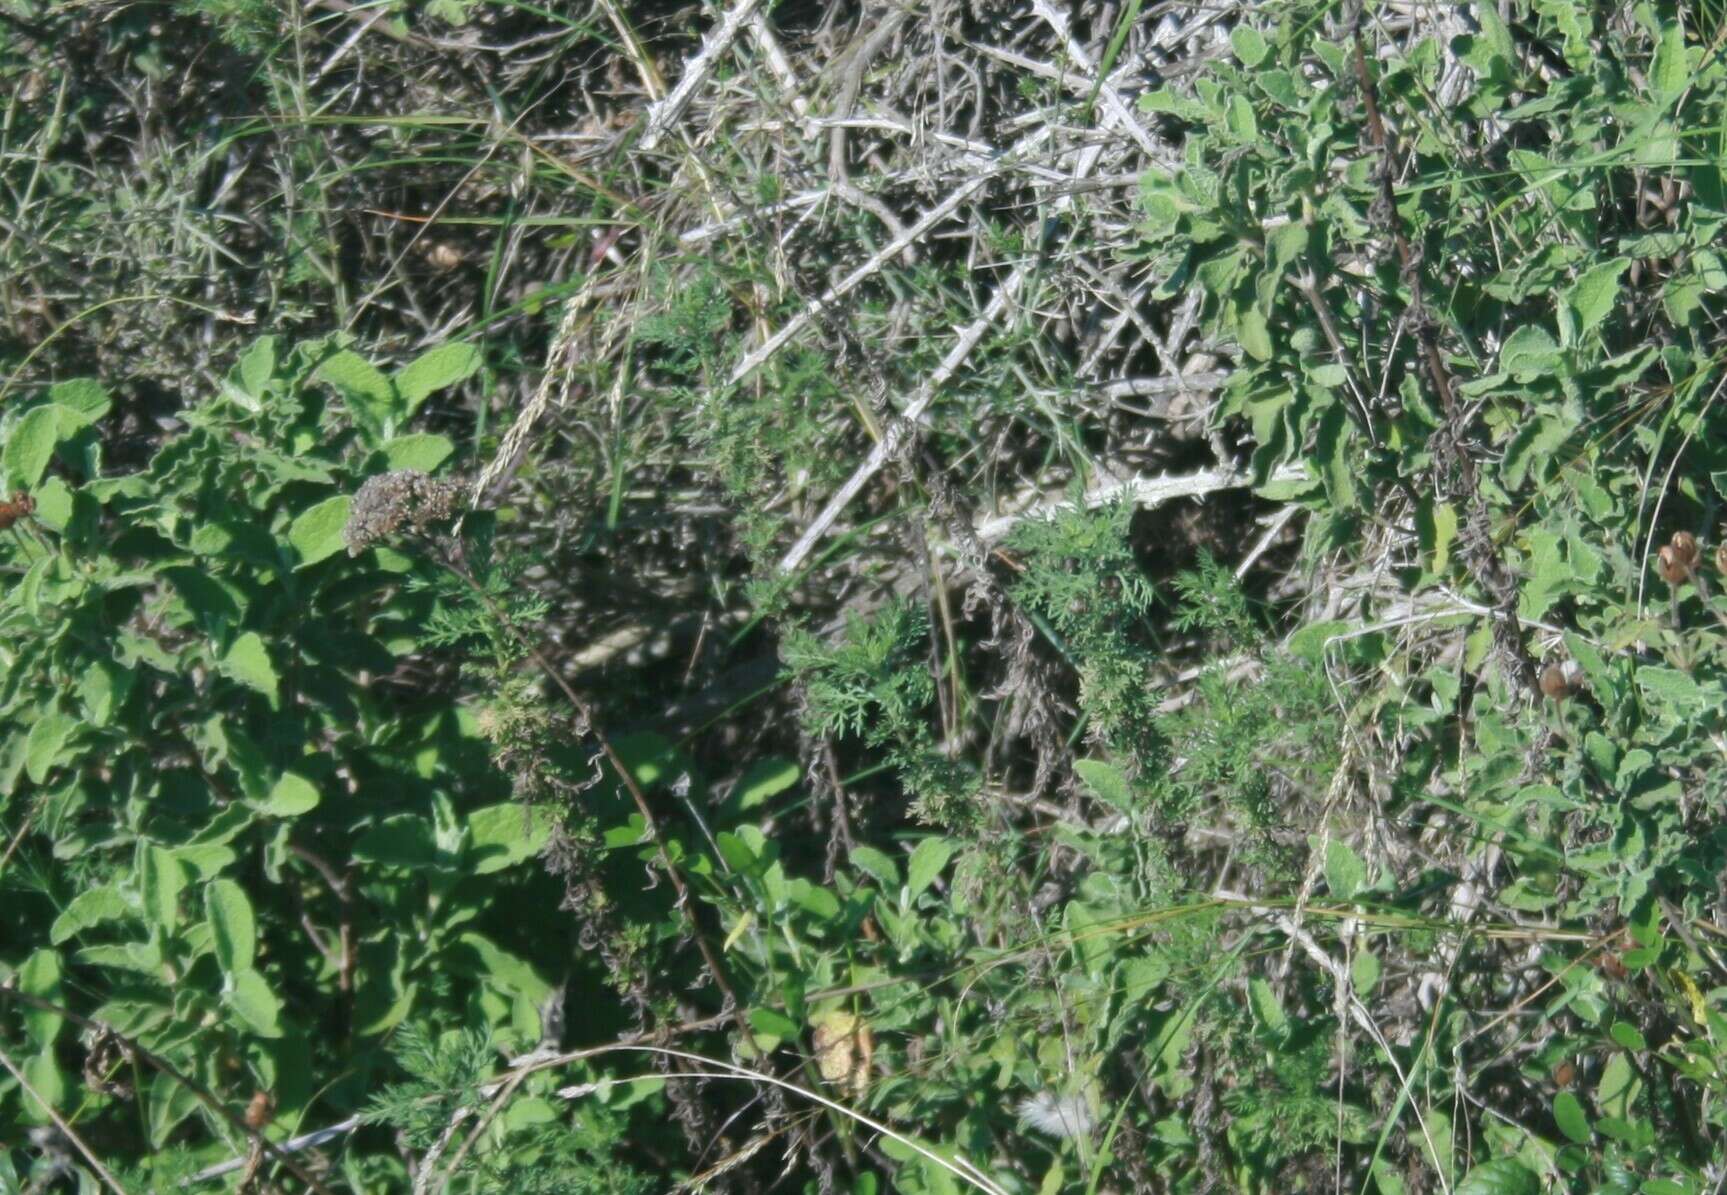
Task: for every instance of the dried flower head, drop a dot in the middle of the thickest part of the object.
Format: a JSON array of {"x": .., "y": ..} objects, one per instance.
[
  {"x": 1685, "y": 548},
  {"x": 1561, "y": 680},
  {"x": 1673, "y": 567},
  {"x": 387, "y": 503}
]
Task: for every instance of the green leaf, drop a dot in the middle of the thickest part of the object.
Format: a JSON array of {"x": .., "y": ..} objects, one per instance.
[
  {"x": 401, "y": 841},
  {"x": 1501, "y": 1176},
  {"x": 1345, "y": 874},
  {"x": 765, "y": 778},
  {"x": 422, "y": 450},
  {"x": 248, "y": 662},
  {"x": 1529, "y": 353},
  {"x": 1364, "y": 972},
  {"x": 83, "y": 399},
  {"x": 90, "y": 907},
  {"x": 1267, "y": 1009},
  {"x": 927, "y": 862},
  {"x": 501, "y": 836},
  {"x": 317, "y": 533},
  {"x": 160, "y": 879},
  {"x": 773, "y": 1022},
  {"x": 1254, "y": 335},
  {"x": 1248, "y": 44},
  {"x": 291, "y": 796},
  {"x": 1242, "y": 121},
  {"x": 1669, "y": 687},
  {"x": 1107, "y": 783},
  {"x": 30, "y": 447},
  {"x": 878, "y": 864},
  {"x": 368, "y": 394},
  {"x": 1668, "y": 74},
  {"x": 42, "y": 1072},
  {"x": 233, "y": 928},
  {"x": 45, "y": 747},
  {"x": 1568, "y": 1114},
  {"x": 1627, "y": 1035},
  {"x": 1592, "y": 296},
  {"x": 432, "y": 371},
  {"x": 40, "y": 977},
  {"x": 251, "y": 997}
]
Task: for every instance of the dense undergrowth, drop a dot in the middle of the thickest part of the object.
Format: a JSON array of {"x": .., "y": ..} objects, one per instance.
[{"x": 986, "y": 596}]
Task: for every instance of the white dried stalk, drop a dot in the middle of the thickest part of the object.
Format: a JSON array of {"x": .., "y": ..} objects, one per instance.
[
  {"x": 718, "y": 40},
  {"x": 1145, "y": 492}
]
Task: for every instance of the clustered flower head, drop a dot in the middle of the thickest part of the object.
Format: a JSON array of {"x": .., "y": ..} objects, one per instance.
[{"x": 387, "y": 503}]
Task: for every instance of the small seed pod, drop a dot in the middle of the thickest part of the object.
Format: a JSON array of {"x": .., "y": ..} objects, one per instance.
[
  {"x": 259, "y": 1110},
  {"x": 1561, "y": 680},
  {"x": 1684, "y": 546},
  {"x": 1721, "y": 560},
  {"x": 1673, "y": 567}
]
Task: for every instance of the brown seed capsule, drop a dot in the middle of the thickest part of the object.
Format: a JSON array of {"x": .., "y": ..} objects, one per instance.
[
  {"x": 1557, "y": 682},
  {"x": 1673, "y": 567},
  {"x": 1721, "y": 560},
  {"x": 259, "y": 1109},
  {"x": 1685, "y": 548}
]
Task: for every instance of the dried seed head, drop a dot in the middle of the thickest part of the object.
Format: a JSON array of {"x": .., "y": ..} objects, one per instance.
[
  {"x": 1721, "y": 560},
  {"x": 387, "y": 503},
  {"x": 1685, "y": 547},
  {"x": 1672, "y": 565},
  {"x": 259, "y": 1109},
  {"x": 1561, "y": 680}
]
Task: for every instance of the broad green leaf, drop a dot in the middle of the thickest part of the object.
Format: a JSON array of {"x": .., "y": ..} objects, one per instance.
[
  {"x": 42, "y": 1072},
  {"x": 1267, "y": 1009},
  {"x": 291, "y": 796},
  {"x": 45, "y": 746},
  {"x": 433, "y": 370},
  {"x": 233, "y": 928},
  {"x": 368, "y": 394},
  {"x": 82, "y": 399},
  {"x": 248, "y": 662},
  {"x": 40, "y": 977},
  {"x": 1668, "y": 73},
  {"x": 1627, "y": 1035},
  {"x": 160, "y": 880},
  {"x": 250, "y": 996},
  {"x": 423, "y": 451},
  {"x": 349, "y": 371},
  {"x": 765, "y": 778},
  {"x": 1364, "y": 972},
  {"x": 1107, "y": 783},
  {"x": 30, "y": 447},
  {"x": 1502, "y": 1176},
  {"x": 1529, "y": 353},
  {"x": 1569, "y": 1115},
  {"x": 317, "y": 533},
  {"x": 1248, "y": 44},
  {"x": 926, "y": 863},
  {"x": 1592, "y": 296},
  {"x": 90, "y": 907},
  {"x": 878, "y": 864},
  {"x": 1242, "y": 122},
  {"x": 1669, "y": 687},
  {"x": 402, "y": 841},
  {"x": 501, "y": 836},
  {"x": 1254, "y": 335},
  {"x": 1345, "y": 874},
  {"x": 772, "y": 1022}
]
